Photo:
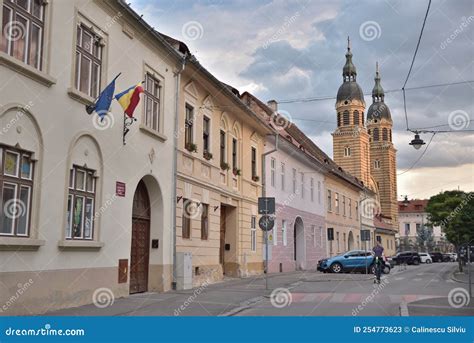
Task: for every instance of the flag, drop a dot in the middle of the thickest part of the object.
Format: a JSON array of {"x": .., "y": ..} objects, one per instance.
[
  {"x": 102, "y": 105},
  {"x": 130, "y": 98}
]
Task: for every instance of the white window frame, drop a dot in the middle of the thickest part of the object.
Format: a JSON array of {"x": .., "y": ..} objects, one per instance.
[
  {"x": 284, "y": 233},
  {"x": 282, "y": 176},
  {"x": 272, "y": 171},
  {"x": 347, "y": 151},
  {"x": 312, "y": 189}
]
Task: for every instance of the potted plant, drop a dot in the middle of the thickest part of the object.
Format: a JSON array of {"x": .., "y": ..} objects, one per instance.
[
  {"x": 207, "y": 155},
  {"x": 255, "y": 178},
  {"x": 236, "y": 171},
  {"x": 191, "y": 147},
  {"x": 225, "y": 166}
]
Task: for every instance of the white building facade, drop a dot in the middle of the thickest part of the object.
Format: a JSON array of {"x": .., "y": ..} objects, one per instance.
[{"x": 82, "y": 213}]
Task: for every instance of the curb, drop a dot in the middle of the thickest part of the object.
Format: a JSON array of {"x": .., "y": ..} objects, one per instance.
[
  {"x": 457, "y": 280},
  {"x": 404, "y": 310},
  {"x": 242, "y": 306}
]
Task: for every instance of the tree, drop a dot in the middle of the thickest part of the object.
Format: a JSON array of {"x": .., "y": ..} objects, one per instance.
[
  {"x": 424, "y": 239},
  {"x": 454, "y": 212}
]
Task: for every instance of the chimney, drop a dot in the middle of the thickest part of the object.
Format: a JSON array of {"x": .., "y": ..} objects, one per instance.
[{"x": 273, "y": 105}]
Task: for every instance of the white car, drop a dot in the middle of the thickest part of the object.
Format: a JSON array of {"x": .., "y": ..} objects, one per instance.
[{"x": 425, "y": 257}]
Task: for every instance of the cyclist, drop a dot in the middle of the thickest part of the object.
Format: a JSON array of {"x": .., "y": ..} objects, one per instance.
[{"x": 378, "y": 251}]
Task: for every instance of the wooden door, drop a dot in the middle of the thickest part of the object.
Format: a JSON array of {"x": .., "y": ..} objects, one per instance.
[
  {"x": 222, "y": 239},
  {"x": 140, "y": 251}
]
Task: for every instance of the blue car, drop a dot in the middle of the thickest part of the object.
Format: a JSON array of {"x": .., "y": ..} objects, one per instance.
[{"x": 355, "y": 260}]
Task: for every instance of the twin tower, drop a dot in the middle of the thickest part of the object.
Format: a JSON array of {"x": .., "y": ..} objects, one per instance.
[{"x": 364, "y": 148}]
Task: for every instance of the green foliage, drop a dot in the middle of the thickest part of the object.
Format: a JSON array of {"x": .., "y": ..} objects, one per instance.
[{"x": 454, "y": 212}]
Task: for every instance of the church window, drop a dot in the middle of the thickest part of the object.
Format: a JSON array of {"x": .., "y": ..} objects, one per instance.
[
  {"x": 345, "y": 118},
  {"x": 356, "y": 117},
  {"x": 347, "y": 151},
  {"x": 384, "y": 134},
  {"x": 377, "y": 164},
  {"x": 376, "y": 134}
]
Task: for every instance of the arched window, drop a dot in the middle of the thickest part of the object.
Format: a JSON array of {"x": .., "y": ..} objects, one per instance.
[
  {"x": 376, "y": 134},
  {"x": 362, "y": 118},
  {"x": 339, "y": 119},
  {"x": 390, "y": 135},
  {"x": 356, "y": 118},
  {"x": 384, "y": 134},
  {"x": 345, "y": 118}
]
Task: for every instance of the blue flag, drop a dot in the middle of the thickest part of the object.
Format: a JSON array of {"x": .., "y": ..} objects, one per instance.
[{"x": 102, "y": 105}]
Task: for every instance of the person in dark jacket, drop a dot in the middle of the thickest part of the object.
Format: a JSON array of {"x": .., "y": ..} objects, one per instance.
[{"x": 378, "y": 251}]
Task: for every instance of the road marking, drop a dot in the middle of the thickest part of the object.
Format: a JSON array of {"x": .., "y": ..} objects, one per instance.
[
  {"x": 417, "y": 279},
  {"x": 399, "y": 278}
]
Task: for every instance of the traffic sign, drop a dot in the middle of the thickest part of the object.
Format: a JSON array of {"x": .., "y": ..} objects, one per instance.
[
  {"x": 365, "y": 235},
  {"x": 266, "y": 223},
  {"x": 266, "y": 205}
]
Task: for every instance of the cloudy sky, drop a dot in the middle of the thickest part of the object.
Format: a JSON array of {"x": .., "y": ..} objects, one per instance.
[{"x": 295, "y": 49}]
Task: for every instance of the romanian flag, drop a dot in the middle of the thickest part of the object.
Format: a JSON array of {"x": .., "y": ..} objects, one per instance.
[{"x": 130, "y": 98}]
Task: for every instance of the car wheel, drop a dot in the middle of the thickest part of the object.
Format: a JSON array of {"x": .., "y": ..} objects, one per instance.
[
  {"x": 386, "y": 270},
  {"x": 416, "y": 262},
  {"x": 372, "y": 269},
  {"x": 428, "y": 261},
  {"x": 336, "y": 267}
]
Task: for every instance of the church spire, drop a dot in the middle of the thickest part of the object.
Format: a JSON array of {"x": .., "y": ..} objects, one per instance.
[
  {"x": 377, "y": 92},
  {"x": 349, "y": 71}
]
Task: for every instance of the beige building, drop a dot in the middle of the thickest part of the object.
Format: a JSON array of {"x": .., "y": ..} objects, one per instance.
[
  {"x": 220, "y": 142},
  {"x": 82, "y": 214}
]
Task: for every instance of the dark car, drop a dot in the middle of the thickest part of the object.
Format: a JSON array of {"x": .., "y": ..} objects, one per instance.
[
  {"x": 407, "y": 257},
  {"x": 437, "y": 256},
  {"x": 446, "y": 258}
]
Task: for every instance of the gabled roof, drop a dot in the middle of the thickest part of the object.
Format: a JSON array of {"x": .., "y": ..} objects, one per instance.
[{"x": 414, "y": 206}]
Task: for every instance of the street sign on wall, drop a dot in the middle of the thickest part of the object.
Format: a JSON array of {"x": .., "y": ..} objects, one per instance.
[{"x": 365, "y": 235}]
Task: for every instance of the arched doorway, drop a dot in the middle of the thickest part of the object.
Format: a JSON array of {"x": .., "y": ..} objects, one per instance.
[
  {"x": 140, "y": 251},
  {"x": 350, "y": 241},
  {"x": 299, "y": 244}
]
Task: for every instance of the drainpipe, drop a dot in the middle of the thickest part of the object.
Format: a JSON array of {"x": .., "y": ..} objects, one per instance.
[
  {"x": 174, "y": 173},
  {"x": 263, "y": 195}
]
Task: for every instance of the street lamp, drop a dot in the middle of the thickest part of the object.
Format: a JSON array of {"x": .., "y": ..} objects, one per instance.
[{"x": 417, "y": 142}]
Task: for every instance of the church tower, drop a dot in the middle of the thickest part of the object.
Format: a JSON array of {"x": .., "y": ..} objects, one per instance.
[
  {"x": 350, "y": 139},
  {"x": 382, "y": 152}
]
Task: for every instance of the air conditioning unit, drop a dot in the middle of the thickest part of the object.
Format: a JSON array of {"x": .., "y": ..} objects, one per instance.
[{"x": 184, "y": 270}]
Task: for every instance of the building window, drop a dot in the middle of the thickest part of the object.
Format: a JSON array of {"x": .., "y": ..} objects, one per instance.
[
  {"x": 356, "y": 118},
  {"x": 152, "y": 102},
  {"x": 344, "y": 241},
  {"x": 336, "y": 202},
  {"x": 80, "y": 204},
  {"x": 204, "y": 221},
  {"x": 312, "y": 189},
  {"x": 344, "y": 205},
  {"x": 377, "y": 164},
  {"x": 284, "y": 233},
  {"x": 350, "y": 208},
  {"x": 222, "y": 147},
  {"x": 302, "y": 185},
  {"x": 283, "y": 176},
  {"x": 88, "y": 61},
  {"x": 272, "y": 171},
  {"x": 319, "y": 192},
  {"x": 206, "y": 132},
  {"x": 337, "y": 240},
  {"x": 385, "y": 134},
  {"x": 234, "y": 154},
  {"x": 254, "y": 163},
  {"x": 418, "y": 227},
  {"x": 345, "y": 118},
  {"x": 275, "y": 233},
  {"x": 186, "y": 218},
  {"x": 329, "y": 200},
  {"x": 379, "y": 239},
  {"x": 407, "y": 229},
  {"x": 339, "y": 119},
  {"x": 253, "y": 234},
  {"x": 22, "y": 31},
  {"x": 16, "y": 186},
  {"x": 376, "y": 134},
  {"x": 315, "y": 243},
  {"x": 357, "y": 210},
  {"x": 188, "y": 127},
  {"x": 294, "y": 181},
  {"x": 347, "y": 151}
]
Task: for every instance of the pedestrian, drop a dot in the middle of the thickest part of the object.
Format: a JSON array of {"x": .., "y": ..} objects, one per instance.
[{"x": 378, "y": 252}]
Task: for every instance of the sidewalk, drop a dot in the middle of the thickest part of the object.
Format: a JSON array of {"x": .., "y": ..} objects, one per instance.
[
  {"x": 223, "y": 298},
  {"x": 436, "y": 307},
  {"x": 464, "y": 276}
]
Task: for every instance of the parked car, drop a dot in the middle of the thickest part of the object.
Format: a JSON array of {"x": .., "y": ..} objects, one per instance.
[
  {"x": 355, "y": 260},
  {"x": 425, "y": 257},
  {"x": 447, "y": 258},
  {"x": 454, "y": 256},
  {"x": 436, "y": 256},
  {"x": 407, "y": 257}
]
